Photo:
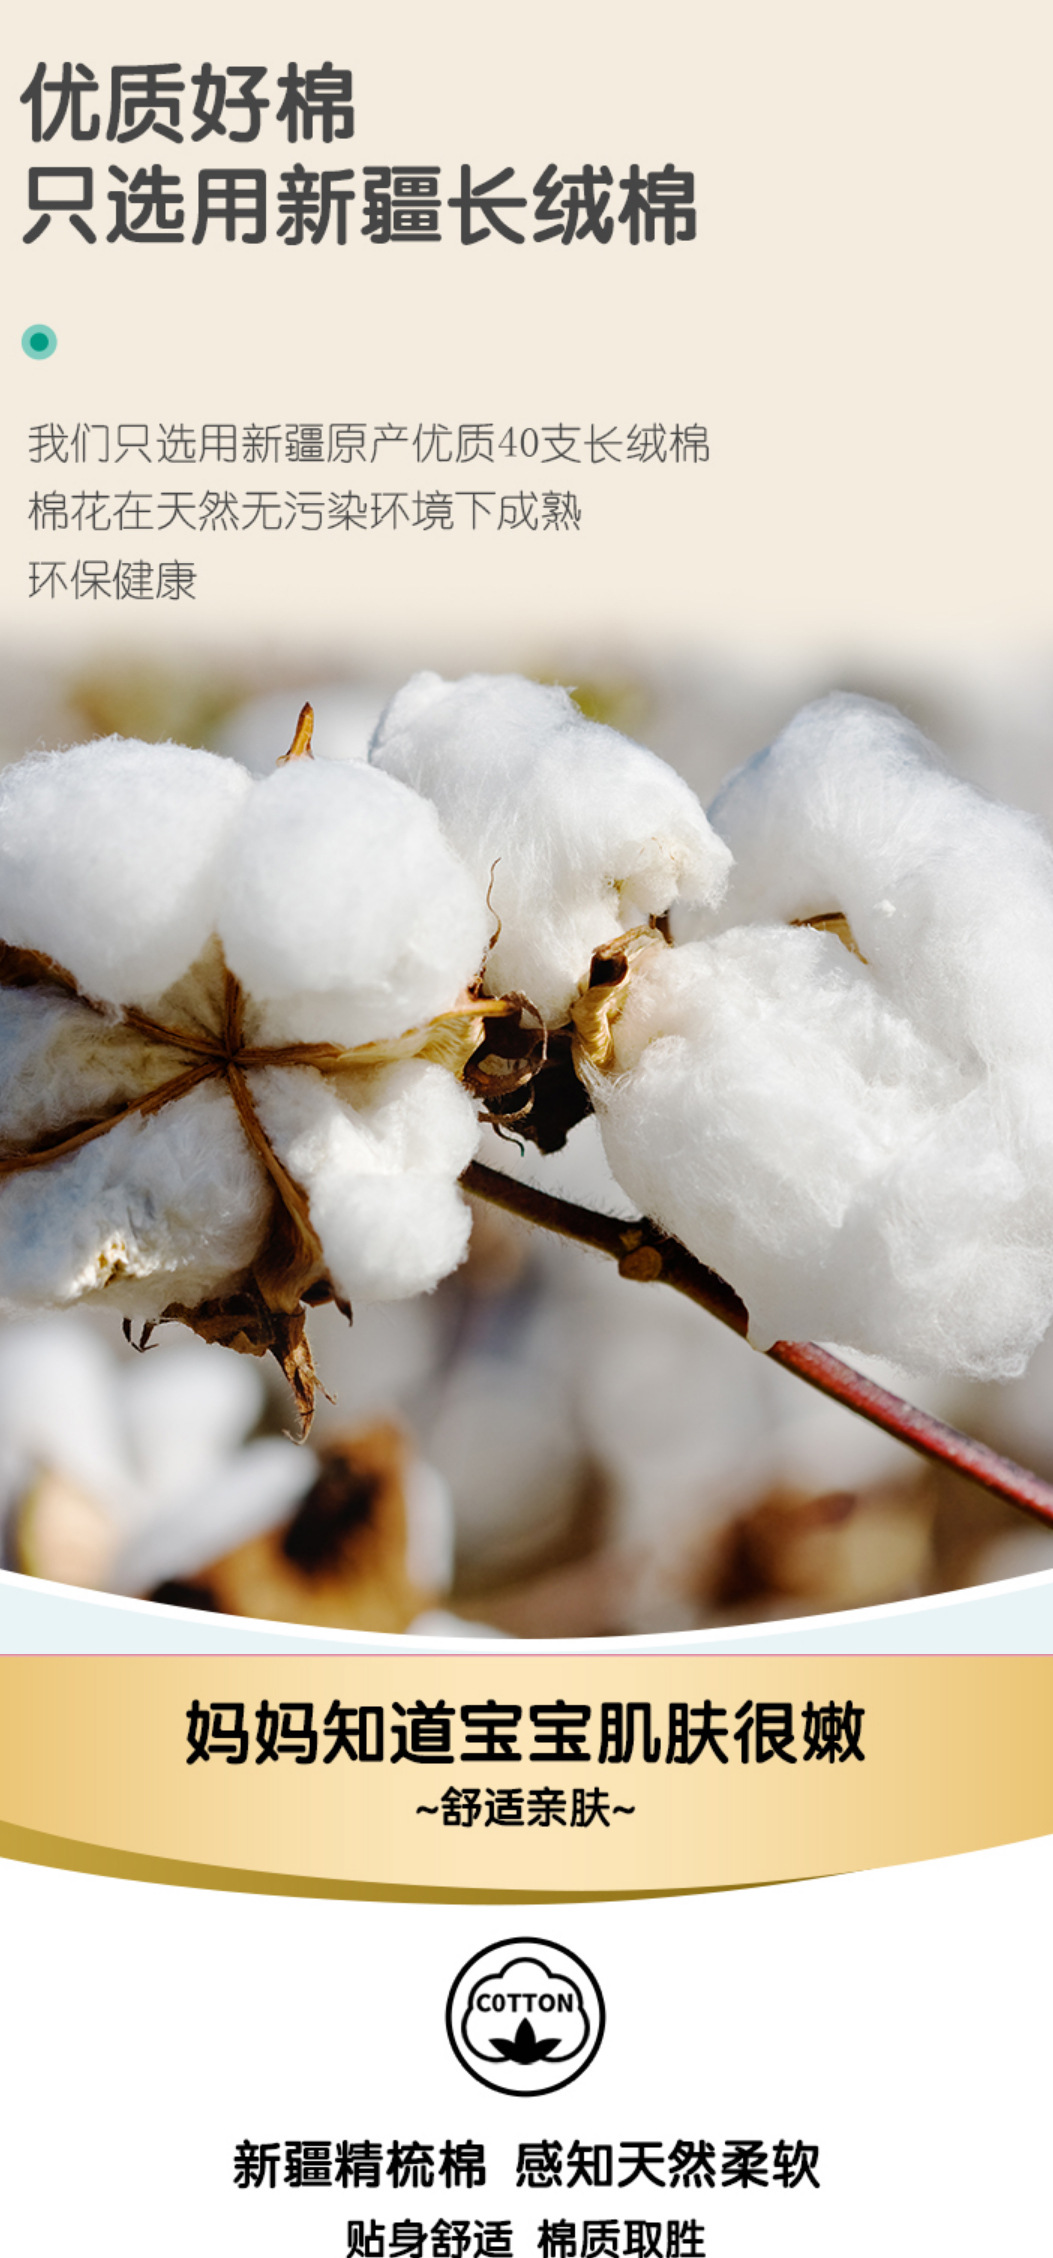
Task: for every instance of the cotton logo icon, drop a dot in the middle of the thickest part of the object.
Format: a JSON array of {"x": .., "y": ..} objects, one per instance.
[{"x": 525, "y": 2016}]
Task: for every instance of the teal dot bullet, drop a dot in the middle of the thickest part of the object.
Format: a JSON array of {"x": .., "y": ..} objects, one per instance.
[{"x": 39, "y": 341}]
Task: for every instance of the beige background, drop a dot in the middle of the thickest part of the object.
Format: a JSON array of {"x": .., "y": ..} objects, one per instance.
[
  {"x": 862, "y": 324},
  {"x": 956, "y": 1759}
]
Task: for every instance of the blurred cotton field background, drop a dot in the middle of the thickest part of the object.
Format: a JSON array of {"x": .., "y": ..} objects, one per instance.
[{"x": 540, "y": 1447}]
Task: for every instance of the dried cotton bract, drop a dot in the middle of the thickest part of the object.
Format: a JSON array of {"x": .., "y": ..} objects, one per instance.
[
  {"x": 860, "y": 1137},
  {"x": 228, "y": 1016}
]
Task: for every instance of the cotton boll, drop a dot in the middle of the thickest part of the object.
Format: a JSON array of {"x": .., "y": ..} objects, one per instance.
[
  {"x": 344, "y": 909},
  {"x": 164, "y": 1208},
  {"x": 854, "y": 1183},
  {"x": 379, "y": 1171},
  {"x": 62, "y": 1063},
  {"x": 109, "y": 856},
  {"x": 953, "y": 1254},
  {"x": 578, "y": 833},
  {"x": 949, "y": 895},
  {"x": 417, "y": 1114},
  {"x": 389, "y": 1236},
  {"x": 863, "y": 1148}
]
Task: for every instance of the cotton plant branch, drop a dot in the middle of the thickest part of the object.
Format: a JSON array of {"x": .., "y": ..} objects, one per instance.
[
  {"x": 646, "y": 1254},
  {"x": 245, "y": 1050}
]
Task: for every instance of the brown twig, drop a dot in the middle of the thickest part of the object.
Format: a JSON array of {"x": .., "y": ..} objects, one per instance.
[{"x": 645, "y": 1253}]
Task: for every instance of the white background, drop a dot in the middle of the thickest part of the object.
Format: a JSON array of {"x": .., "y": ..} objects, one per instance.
[{"x": 899, "y": 2018}]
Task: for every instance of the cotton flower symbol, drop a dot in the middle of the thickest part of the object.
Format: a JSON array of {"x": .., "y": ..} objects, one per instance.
[
  {"x": 525, "y": 2047},
  {"x": 231, "y": 1019}
]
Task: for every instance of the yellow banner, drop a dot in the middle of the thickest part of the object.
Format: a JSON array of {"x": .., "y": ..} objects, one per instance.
[{"x": 486, "y": 1777}]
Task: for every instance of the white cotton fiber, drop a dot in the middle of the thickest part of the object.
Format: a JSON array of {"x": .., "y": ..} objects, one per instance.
[
  {"x": 578, "y": 833},
  {"x": 949, "y": 894},
  {"x": 380, "y": 1171},
  {"x": 418, "y": 1115},
  {"x": 864, "y": 1150},
  {"x": 108, "y": 860},
  {"x": 344, "y": 909},
  {"x": 346, "y": 918},
  {"x": 166, "y": 1208},
  {"x": 61, "y": 1063}
]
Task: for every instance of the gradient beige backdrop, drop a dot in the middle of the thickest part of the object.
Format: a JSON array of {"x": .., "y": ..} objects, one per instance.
[
  {"x": 862, "y": 323},
  {"x": 96, "y": 1774}
]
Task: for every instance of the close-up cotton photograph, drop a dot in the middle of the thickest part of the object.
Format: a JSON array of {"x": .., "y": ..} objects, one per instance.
[
  {"x": 557, "y": 1153},
  {"x": 526, "y": 1131}
]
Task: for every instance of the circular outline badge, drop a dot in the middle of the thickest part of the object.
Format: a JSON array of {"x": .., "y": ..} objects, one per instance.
[{"x": 489, "y": 1952}]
